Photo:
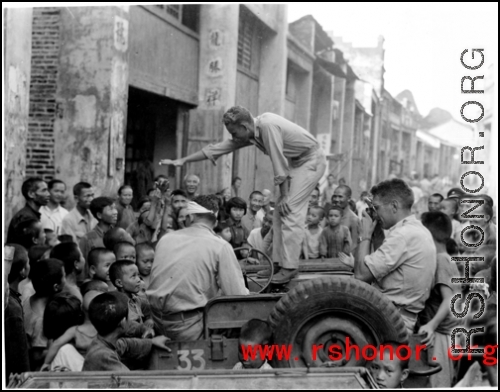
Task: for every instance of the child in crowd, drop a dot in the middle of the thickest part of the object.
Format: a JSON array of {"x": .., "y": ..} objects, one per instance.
[
  {"x": 50, "y": 237},
  {"x": 35, "y": 254},
  {"x": 237, "y": 208},
  {"x": 145, "y": 257},
  {"x": 310, "y": 245},
  {"x": 436, "y": 319},
  {"x": 108, "y": 313},
  {"x": 335, "y": 238},
  {"x": 124, "y": 275},
  {"x": 93, "y": 285},
  {"x": 181, "y": 218},
  {"x": 115, "y": 235},
  {"x": 390, "y": 372},
  {"x": 29, "y": 233},
  {"x": 124, "y": 251},
  {"x": 74, "y": 263},
  {"x": 254, "y": 333},
  {"x": 80, "y": 336},
  {"x": 63, "y": 312},
  {"x": 224, "y": 231},
  {"x": 16, "y": 343},
  {"x": 100, "y": 259},
  {"x": 48, "y": 279},
  {"x": 65, "y": 238}
]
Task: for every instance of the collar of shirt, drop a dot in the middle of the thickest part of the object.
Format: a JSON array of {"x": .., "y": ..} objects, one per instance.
[
  {"x": 47, "y": 210},
  {"x": 402, "y": 222},
  {"x": 99, "y": 231},
  {"x": 86, "y": 219},
  {"x": 37, "y": 213},
  {"x": 201, "y": 225},
  {"x": 104, "y": 342}
]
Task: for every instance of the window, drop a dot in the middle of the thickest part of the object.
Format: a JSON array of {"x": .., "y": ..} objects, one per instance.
[
  {"x": 187, "y": 14},
  {"x": 249, "y": 37}
]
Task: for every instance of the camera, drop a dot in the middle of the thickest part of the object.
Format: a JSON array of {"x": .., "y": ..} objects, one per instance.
[{"x": 371, "y": 210}]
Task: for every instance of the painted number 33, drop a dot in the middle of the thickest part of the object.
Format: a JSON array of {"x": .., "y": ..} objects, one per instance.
[{"x": 196, "y": 362}]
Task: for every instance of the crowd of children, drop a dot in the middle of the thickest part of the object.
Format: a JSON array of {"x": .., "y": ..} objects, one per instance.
[{"x": 78, "y": 279}]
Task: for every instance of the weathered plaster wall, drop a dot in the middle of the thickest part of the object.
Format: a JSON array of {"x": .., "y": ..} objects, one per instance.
[
  {"x": 92, "y": 97},
  {"x": 16, "y": 92}
]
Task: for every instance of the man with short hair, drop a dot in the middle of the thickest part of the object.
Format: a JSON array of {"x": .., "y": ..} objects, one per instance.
[
  {"x": 257, "y": 236},
  {"x": 326, "y": 196},
  {"x": 434, "y": 202},
  {"x": 404, "y": 266},
  {"x": 251, "y": 220},
  {"x": 179, "y": 201},
  {"x": 53, "y": 213},
  {"x": 191, "y": 266},
  {"x": 79, "y": 221},
  {"x": 341, "y": 197},
  {"x": 191, "y": 182},
  {"x": 298, "y": 164},
  {"x": 36, "y": 193},
  {"x": 266, "y": 204}
]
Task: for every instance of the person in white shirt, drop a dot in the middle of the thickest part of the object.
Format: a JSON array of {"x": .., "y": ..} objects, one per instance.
[
  {"x": 53, "y": 213},
  {"x": 256, "y": 237}
]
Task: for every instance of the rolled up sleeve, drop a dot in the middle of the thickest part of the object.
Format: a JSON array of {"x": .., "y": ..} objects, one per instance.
[
  {"x": 230, "y": 276},
  {"x": 214, "y": 151},
  {"x": 272, "y": 139},
  {"x": 388, "y": 257}
]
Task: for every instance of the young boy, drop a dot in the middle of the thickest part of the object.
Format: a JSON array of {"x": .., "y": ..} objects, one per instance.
[
  {"x": 124, "y": 251},
  {"x": 108, "y": 313},
  {"x": 115, "y": 235},
  {"x": 145, "y": 257},
  {"x": 74, "y": 263},
  {"x": 436, "y": 319},
  {"x": 254, "y": 333},
  {"x": 389, "y": 373},
  {"x": 310, "y": 246},
  {"x": 48, "y": 279},
  {"x": 80, "y": 336},
  {"x": 237, "y": 208},
  {"x": 16, "y": 344},
  {"x": 124, "y": 274},
  {"x": 104, "y": 210},
  {"x": 335, "y": 238},
  {"x": 224, "y": 231},
  {"x": 100, "y": 259}
]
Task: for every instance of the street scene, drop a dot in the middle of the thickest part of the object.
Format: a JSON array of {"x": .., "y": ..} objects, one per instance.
[{"x": 250, "y": 196}]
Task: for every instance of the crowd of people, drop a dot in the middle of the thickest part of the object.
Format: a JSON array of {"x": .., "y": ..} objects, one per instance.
[{"x": 95, "y": 288}]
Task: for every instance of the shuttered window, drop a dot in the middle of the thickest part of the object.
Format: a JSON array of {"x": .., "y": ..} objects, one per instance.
[
  {"x": 187, "y": 14},
  {"x": 248, "y": 43}
]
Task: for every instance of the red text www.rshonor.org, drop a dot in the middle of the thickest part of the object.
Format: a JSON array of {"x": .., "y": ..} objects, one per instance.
[{"x": 368, "y": 353}]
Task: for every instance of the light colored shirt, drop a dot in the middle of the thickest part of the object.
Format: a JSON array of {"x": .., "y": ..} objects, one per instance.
[
  {"x": 189, "y": 269},
  {"x": 52, "y": 219},
  {"x": 287, "y": 144},
  {"x": 77, "y": 225},
  {"x": 360, "y": 207},
  {"x": 255, "y": 240},
  {"x": 311, "y": 242},
  {"x": 251, "y": 221},
  {"x": 405, "y": 264},
  {"x": 326, "y": 196}
]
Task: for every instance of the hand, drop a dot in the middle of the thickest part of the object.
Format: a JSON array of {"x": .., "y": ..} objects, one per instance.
[
  {"x": 282, "y": 206},
  {"x": 429, "y": 331},
  {"x": 176, "y": 162},
  {"x": 160, "y": 341},
  {"x": 148, "y": 334},
  {"x": 45, "y": 367},
  {"x": 156, "y": 196},
  {"x": 367, "y": 225},
  {"x": 346, "y": 259}
]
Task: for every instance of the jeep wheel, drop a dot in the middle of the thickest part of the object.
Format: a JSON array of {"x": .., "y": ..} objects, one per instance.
[{"x": 327, "y": 311}]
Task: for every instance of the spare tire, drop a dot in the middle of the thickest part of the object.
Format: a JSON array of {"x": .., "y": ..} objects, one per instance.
[{"x": 327, "y": 311}]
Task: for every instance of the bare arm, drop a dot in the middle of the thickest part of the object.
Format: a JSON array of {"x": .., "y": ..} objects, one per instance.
[
  {"x": 442, "y": 312},
  {"x": 195, "y": 157},
  {"x": 361, "y": 270},
  {"x": 65, "y": 338}
]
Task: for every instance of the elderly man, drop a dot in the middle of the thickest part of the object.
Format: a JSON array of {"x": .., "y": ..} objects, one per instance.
[
  {"x": 403, "y": 267},
  {"x": 191, "y": 266},
  {"x": 191, "y": 182},
  {"x": 298, "y": 165},
  {"x": 340, "y": 198}
]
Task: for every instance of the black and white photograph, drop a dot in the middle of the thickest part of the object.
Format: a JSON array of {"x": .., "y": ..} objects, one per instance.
[{"x": 250, "y": 195}]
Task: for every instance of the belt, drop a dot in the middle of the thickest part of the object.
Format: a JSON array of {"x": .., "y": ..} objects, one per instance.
[
  {"x": 407, "y": 313},
  {"x": 179, "y": 316}
]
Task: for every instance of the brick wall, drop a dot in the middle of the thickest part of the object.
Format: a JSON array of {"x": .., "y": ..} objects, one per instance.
[{"x": 42, "y": 106}]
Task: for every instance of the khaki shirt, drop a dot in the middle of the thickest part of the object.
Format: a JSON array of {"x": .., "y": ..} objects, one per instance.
[
  {"x": 189, "y": 269},
  {"x": 404, "y": 266},
  {"x": 287, "y": 144}
]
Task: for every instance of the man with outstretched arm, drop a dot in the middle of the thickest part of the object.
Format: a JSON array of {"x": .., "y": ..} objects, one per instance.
[{"x": 298, "y": 164}]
